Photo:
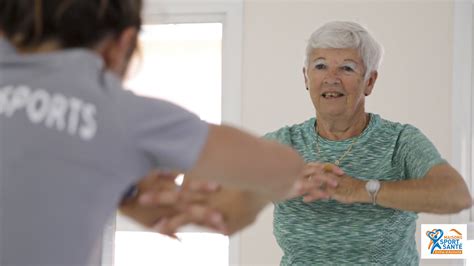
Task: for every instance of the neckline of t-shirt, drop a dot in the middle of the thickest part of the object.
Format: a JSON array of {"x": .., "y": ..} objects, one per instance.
[{"x": 342, "y": 143}]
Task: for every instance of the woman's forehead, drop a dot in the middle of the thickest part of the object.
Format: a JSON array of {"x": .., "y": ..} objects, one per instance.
[{"x": 338, "y": 54}]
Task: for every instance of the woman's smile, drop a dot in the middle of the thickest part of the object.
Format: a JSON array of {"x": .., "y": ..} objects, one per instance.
[{"x": 331, "y": 95}]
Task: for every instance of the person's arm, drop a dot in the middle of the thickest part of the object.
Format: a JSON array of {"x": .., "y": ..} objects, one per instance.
[
  {"x": 254, "y": 171},
  {"x": 239, "y": 160},
  {"x": 238, "y": 209},
  {"x": 180, "y": 141},
  {"x": 162, "y": 207},
  {"x": 442, "y": 190}
]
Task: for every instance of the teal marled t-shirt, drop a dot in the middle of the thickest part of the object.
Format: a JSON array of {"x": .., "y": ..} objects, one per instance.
[{"x": 328, "y": 232}]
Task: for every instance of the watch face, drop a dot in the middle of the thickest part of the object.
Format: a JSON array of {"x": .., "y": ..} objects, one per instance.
[{"x": 372, "y": 186}]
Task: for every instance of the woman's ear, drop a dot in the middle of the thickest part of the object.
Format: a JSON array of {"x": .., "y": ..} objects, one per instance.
[
  {"x": 305, "y": 78},
  {"x": 370, "y": 83},
  {"x": 117, "y": 51}
]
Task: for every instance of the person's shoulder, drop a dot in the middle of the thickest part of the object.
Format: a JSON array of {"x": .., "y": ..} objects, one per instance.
[
  {"x": 394, "y": 127},
  {"x": 402, "y": 132},
  {"x": 288, "y": 132}
]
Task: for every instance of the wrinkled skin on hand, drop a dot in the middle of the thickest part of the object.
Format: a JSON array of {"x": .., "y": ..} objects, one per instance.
[{"x": 327, "y": 181}]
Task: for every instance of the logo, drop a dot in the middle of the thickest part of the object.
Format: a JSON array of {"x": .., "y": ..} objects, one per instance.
[{"x": 443, "y": 241}]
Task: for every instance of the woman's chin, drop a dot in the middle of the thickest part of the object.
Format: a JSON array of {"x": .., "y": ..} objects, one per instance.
[{"x": 335, "y": 113}]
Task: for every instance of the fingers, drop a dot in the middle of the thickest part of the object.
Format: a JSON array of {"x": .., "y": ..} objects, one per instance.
[
  {"x": 154, "y": 190},
  {"x": 316, "y": 188},
  {"x": 321, "y": 180},
  {"x": 195, "y": 214},
  {"x": 169, "y": 195},
  {"x": 327, "y": 167},
  {"x": 147, "y": 216},
  {"x": 201, "y": 186},
  {"x": 159, "y": 198},
  {"x": 316, "y": 194},
  {"x": 318, "y": 180},
  {"x": 313, "y": 167},
  {"x": 155, "y": 177}
]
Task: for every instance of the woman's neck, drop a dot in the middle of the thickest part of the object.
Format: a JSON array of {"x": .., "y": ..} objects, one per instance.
[{"x": 342, "y": 128}]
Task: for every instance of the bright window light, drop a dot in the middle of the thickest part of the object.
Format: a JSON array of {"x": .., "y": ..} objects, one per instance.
[
  {"x": 181, "y": 63},
  {"x": 195, "y": 249}
]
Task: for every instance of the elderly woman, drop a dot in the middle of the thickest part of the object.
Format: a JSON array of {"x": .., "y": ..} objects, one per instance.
[{"x": 366, "y": 177}]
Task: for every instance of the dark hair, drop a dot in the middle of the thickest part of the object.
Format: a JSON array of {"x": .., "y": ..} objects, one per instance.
[{"x": 73, "y": 23}]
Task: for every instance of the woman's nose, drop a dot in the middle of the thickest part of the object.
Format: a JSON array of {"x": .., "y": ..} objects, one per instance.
[{"x": 332, "y": 77}]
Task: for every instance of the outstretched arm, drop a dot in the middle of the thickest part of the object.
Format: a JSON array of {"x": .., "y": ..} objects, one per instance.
[
  {"x": 442, "y": 190},
  {"x": 238, "y": 160}
]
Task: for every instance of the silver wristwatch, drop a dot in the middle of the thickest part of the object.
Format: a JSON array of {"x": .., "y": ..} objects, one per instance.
[{"x": 373, "y": 187}]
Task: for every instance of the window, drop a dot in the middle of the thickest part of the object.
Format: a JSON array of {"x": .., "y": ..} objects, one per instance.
[{"x": 181, "y": 63}]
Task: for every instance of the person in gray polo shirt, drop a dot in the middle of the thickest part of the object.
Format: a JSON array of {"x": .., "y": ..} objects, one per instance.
[{"x": 72, "y": 140}]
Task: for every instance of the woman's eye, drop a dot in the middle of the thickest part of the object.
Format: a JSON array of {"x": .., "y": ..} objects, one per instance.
[
  {"x": 347, "y": 68},
  {"x": 320, "y": 66}
]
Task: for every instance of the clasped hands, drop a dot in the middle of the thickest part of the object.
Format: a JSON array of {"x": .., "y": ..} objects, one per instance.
[
  {"x": 164, "y": 206},
  {"x": 327, "y": 181}
]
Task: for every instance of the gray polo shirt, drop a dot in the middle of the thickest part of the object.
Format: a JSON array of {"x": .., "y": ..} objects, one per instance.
[
  {"x": 71, "y": 142},
  {"x": 5, "y": 47}
]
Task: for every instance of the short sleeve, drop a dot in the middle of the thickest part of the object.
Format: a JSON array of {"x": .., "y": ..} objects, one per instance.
[
  {"x": 166, "y": 135},
  {"x": 415, "y": 153},
  {"x": 281, "y": 135}
]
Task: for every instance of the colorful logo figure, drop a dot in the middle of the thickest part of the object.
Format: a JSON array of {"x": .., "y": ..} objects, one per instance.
[
  {"x": 435, "y": 236},
  {"x": 436, "y": 241}
]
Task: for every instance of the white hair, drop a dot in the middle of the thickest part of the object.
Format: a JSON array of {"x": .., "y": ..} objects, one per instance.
[{"x": 345, "y": 34}]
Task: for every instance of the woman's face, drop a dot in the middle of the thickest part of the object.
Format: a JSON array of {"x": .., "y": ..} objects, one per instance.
[{"x": 335, "y": 79}]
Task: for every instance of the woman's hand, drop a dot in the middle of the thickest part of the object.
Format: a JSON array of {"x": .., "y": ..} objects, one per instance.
[
  {"x": 316, "y": 181},
  {"x": 164, "y": 206},
  {"x": 349, "y": 190},
  {"x": 327, "y": 181}
]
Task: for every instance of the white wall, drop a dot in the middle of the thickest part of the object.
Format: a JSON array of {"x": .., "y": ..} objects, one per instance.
[{"x": 414, "y": 84}]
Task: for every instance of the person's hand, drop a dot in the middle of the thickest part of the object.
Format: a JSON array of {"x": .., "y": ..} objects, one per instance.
[
  {"x": 327, "y": 181},
  {"x": 160, "y": 202},
  {"x": 349, "y": 190},
  {"x": 318, "y": 181},
  {"x": 166, "y": 194},
  {"x": 238, "y": 208}
]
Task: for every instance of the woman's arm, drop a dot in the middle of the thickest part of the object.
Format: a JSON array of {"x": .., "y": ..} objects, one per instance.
[{"x": 442, "y": 190}]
